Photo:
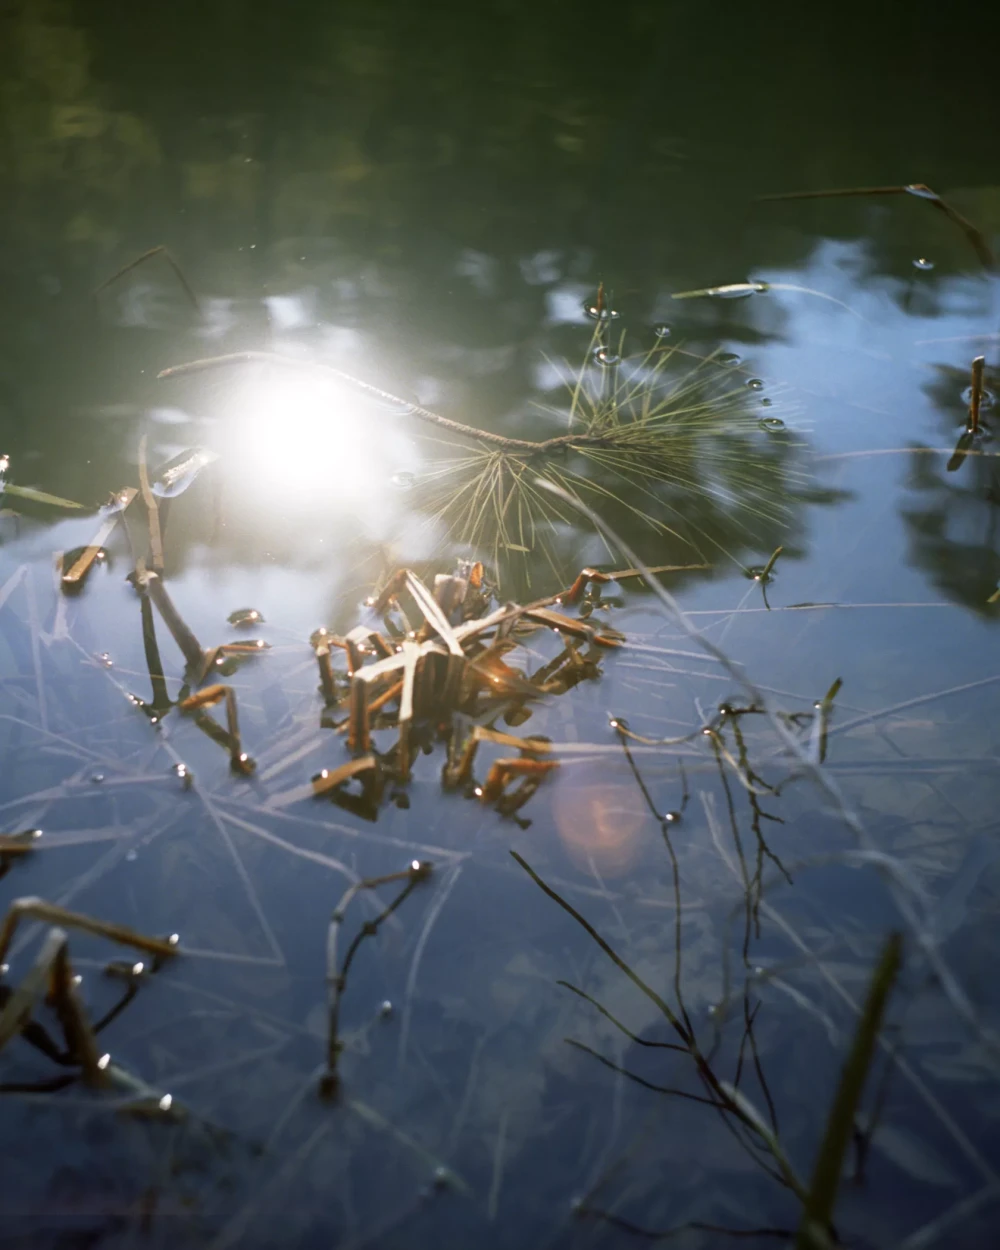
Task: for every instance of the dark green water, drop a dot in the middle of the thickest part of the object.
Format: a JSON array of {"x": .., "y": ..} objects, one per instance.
[{"x": 427, "y": 197}]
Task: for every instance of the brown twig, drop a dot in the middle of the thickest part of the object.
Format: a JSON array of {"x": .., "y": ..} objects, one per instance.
[
  {"x": 159, "y": 250},
  {"x": 919, "y": 189},
  {"x": 522, "y": 446},
  {"x": 336, "y": 977}
]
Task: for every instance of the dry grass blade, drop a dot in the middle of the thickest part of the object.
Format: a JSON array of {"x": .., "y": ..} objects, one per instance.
[{"x": 33, "y": 908}]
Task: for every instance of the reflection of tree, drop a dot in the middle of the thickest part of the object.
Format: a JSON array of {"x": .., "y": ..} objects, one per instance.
[
  {"x": 67, "y": 158},
  {"x": 954, "y": 532}
]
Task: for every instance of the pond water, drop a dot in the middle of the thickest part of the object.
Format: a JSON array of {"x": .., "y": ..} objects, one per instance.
[{"x": 538, "y": 1045}]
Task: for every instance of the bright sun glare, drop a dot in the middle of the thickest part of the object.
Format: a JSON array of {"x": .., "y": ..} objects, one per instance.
[{"x": 318, "y": 447}]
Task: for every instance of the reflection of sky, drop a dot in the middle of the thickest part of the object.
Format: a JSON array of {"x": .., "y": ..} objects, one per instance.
[{"x": 861, "y": 377}]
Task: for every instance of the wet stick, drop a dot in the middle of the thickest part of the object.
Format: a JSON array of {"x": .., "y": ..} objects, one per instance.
[{"x": 976, "y": 393}]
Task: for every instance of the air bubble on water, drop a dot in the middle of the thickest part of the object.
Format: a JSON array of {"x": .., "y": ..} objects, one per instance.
[
  {"x": 131, "y": 855},
  {"x": 97, "y": 778},
  {"x": 619, "y": 722},
  {"x": 595, "y": 313},
  {"x": 607, "y": 357},
  {"x": 729, "y": 358},
  {"x": 662, "y": 331},
  {"x": 921, "y": 192},
  {"x": 921, "y": 262},
  {"x": 385, "y": 1009},
  {"x": 245, "y": 616},
  {"x": 671, "y": 818},
  {"x": 105, "y": 660},
  {"x": 403, "y": 481},
  {"x": 771, "y": 424},
  {"x": 755, "y": 384},
  {"x": 166, "y": 1102},
  {"x": 766, "y": 403}
]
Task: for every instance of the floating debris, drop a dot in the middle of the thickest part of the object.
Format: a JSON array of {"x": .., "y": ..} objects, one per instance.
[
  {"x": 436, "y": 679},
  {"x": 174, "y": 478},
  {"x": 730, "y": 290},
  {"x": 245, "y": 617}
]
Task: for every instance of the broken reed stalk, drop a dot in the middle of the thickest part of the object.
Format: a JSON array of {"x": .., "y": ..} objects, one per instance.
[
  {"x": 521, "y": 446},
  {"x": 229, "y": 737},
  {"x": 159, "y": 250},
  {"x": 336, "y": 977},
  {"x": 359, "y": 734},
  {"x": 19, "y": 1005},
  {"x": 22, "y": 843},
  {"x": 152, "y": 511},
  {"x": 918, "y": 189},
  {"x": 326, "y": 681},
  {"x": 813, "y": 1231},
  {"x": 35, "y": 908},
  {"x": 976, "y": 393},
  {"x": 77, "y": 1030},
  {"x": 73, "y": 578}
]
